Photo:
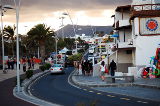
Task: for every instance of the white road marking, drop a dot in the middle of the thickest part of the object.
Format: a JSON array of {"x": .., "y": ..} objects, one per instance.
[
  {"x": 142, "y": 102},
  {"x": 99, "y": 93},
  {"x": 90, "y": 91},
  {"x": 111, "y": 96},
  {"x": 124, "y": 98}
]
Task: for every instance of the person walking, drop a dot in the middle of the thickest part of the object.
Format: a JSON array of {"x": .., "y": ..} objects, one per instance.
[
  {"x": 102, "y": 70},
  {"x": 32, "y": 63},
  {"x": 112, "y": 67},
  {"x": 83, "y": 71},
  {"x": 80, "y": 69},
  {"x": 29, "y": 63},
  {"x": 90, "y": 67}
]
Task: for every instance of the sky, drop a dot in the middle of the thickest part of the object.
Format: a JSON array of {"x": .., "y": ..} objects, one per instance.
[{"x": 81, "y": 12}]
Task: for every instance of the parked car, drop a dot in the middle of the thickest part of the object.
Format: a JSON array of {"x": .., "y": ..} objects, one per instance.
[{"x": 57, "y": 68}]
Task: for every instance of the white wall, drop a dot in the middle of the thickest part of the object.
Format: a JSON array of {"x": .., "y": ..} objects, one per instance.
[
  {"x": 123, "y": 57},
  {"x": 126, "y": 15},
  {"x": 136, "y": 26},
  {"x": 145, "y": 48},
  {"x": 128, "y": 35}
]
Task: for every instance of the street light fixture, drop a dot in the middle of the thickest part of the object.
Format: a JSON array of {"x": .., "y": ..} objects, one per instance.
[
  {"x": 62, "y": 25},
  {"x": 17, "y": 6},
  {"x": 67, "y": 14}
]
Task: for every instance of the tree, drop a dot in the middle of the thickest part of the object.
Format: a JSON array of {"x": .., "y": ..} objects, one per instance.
[
  {"x": 9, "y": 35},
  {"x": 40, "y": 33}
]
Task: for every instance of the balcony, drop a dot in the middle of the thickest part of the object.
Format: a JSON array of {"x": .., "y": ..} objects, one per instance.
[
  {"x": 124, "y": 23},
  {"x": 128, "y": 44}
]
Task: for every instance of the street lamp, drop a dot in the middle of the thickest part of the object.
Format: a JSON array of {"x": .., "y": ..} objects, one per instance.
[
  {"x": 2, "y": 9},
  {"x": 67, "y": 14},
  {"x": 62, "y": 25},
  {"x": 17, "y": 6}
]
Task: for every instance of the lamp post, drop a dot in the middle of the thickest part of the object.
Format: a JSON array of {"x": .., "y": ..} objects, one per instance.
[
  {"x": 2, "y": 10},
  {"x": 56, "y": 39},
  {"x": 2, "y": 38},
  {"x": 17, "y": 6},
  {"x": 62, "y": 25},
  {"x": 73, "y": 27}
]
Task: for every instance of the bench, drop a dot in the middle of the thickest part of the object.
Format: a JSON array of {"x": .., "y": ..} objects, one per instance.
[{"x": 127, "y": 79}]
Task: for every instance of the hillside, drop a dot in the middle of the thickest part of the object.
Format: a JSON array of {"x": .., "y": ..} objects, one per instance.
[{"x": 87, "y": 30}]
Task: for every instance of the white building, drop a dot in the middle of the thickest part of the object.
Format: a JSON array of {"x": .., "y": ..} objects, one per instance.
[{"x": 138, "y": 27}]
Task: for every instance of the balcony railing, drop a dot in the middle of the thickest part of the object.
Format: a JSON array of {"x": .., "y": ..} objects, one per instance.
[
  {"x": 128, "y": 44},
  {"x": 124, "y": 23},
  {"x": 146, "y": 7}
]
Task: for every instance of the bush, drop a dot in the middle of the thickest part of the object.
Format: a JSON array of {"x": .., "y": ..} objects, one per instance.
[
  {"x": 42, "y": 68},
  {"x": 76, "y": 57},
  {"x": 29, "y": 73},
  {"x": 47, "y": 66}
]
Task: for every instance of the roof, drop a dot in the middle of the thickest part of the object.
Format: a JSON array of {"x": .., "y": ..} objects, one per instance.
[
  {"x": 124, "y": 8},
  {"x": 145, "y": 13}
]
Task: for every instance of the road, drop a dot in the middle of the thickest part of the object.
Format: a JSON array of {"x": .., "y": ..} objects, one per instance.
[{"x": 56, "y": 89}]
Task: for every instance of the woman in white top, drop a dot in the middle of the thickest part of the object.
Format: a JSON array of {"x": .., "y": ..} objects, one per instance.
[
  {"x": 80, "y": 69},
  {"x": 102, "y": 70}
]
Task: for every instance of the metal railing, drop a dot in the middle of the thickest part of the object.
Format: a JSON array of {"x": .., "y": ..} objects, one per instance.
[{"x": 146, "y": 7}]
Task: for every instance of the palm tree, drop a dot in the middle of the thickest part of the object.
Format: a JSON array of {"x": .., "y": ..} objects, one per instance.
[
  {"x": 9, "y": 36},
  {"x": 40, "y": 33}
]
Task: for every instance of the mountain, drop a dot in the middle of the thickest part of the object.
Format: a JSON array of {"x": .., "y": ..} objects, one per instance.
[{"x": 68, "y": 30}]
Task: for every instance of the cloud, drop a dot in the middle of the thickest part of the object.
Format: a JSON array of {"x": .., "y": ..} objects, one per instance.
[{"x": 34, "y": 11}]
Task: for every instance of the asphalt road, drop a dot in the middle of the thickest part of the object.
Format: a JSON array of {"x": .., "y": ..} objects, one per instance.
[
  {"x": 6, "y": 93},
  {"x": 56, "y": 89}
]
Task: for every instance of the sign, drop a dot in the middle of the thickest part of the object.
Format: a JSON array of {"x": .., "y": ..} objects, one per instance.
[{"x": 150, "y": 26}]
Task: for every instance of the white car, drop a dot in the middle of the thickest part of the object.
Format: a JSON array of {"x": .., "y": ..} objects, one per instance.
[{"x": 57, "y": 68}]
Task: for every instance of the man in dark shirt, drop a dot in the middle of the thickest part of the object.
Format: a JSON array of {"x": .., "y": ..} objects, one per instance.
[{"x": 112, "y": 67}]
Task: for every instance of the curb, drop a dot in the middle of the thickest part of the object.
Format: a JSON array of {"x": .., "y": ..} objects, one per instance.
[
  {"x": 78, "y": 84},
  {"x": 25, "y": 93}
]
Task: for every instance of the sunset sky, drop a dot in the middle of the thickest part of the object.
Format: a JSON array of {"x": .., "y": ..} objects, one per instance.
[{"x": 82, "y": 12}]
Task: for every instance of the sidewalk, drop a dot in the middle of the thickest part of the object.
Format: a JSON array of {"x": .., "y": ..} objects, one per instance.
[
  {"x": 12, "y": 73},
  {"x": 7, "y": 83},
  {"x": 141, "y": 88}
]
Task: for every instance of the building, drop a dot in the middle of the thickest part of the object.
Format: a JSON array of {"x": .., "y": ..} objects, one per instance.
[{"x": 138, "y": 27}]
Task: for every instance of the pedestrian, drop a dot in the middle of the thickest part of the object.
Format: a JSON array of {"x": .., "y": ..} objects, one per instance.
[
  {"x": 32, "y": 63},
  {"x": 29, "y": 63},
  {"x": 86, "y": 66},
  {"x": 83, "y": 69},
  {"x": 12, "y": 63},
  {"x": 24, "y": 67},
  {"x": 9, "y": 63},
  {"x": 80, "y": 69},
  {"x": 90, "y": 67},
  {"x": 112, "y": 67},
  {"x": 102, "y": 70}
]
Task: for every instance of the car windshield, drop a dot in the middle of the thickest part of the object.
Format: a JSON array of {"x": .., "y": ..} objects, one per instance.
[{"x": 57, "y": 65}]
